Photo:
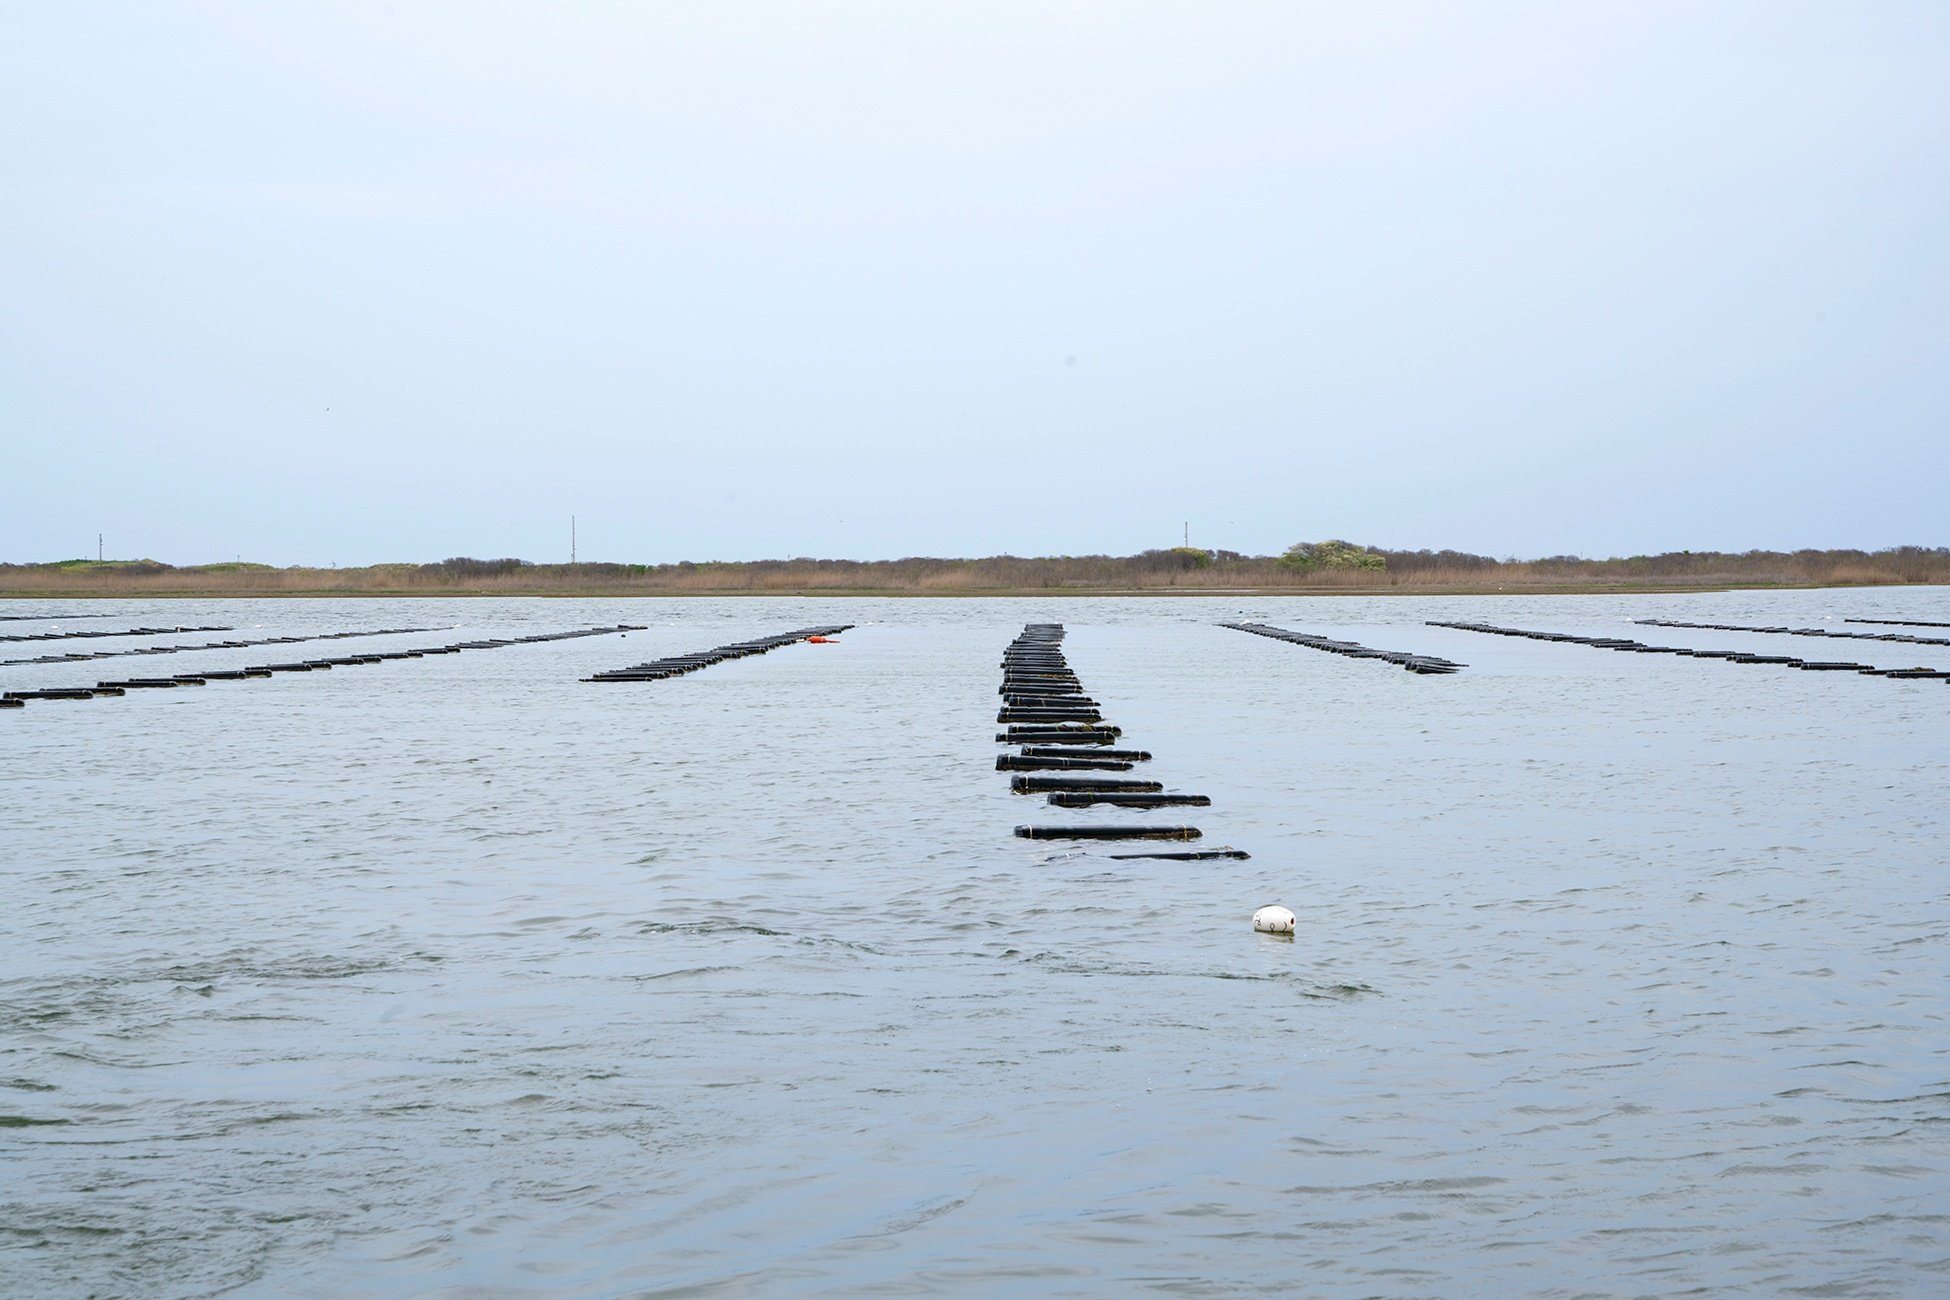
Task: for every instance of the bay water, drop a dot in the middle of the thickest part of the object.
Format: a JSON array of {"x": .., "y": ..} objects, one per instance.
[{"x": 1615, "y": 974}]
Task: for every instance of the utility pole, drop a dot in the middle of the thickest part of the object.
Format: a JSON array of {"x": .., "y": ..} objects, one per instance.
[
  {"x": 572, "y": 539},
  {"x": 98, "y": 548},
  {"x": 1188, "y": 534}
]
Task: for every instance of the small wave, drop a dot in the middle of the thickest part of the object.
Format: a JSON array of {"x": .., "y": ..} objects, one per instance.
[
  {"x": 923, "y": 1213},
  {"x": 706, "y": 927},
  {"x": 679, "y": 974}
]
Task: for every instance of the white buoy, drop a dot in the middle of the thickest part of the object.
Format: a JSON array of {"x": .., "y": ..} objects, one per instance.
[{"x": 1273, "y": 919}]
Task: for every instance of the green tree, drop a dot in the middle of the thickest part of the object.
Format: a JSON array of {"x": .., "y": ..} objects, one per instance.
[{"x": 1333, "y": 553}]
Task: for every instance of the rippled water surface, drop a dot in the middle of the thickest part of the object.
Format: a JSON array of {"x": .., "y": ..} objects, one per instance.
[{"x": 1616, "y": 974}]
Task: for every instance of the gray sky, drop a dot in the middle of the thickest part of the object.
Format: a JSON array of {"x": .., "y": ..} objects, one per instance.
[{"x": 349, "y": 283}]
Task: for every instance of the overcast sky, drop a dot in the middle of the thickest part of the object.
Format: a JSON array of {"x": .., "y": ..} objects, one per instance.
[{"x": 316, "y": 283}]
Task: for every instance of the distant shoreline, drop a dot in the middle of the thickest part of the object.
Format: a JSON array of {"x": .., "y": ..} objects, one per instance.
[
  {"x": 908, "y": 593},
  {"x": 1315, "y": 569}
]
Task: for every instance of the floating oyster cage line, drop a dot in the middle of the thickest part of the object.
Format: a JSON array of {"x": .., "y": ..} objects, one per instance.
[
  {"x": 1031, "y": 734},
  {"x": 84, "y": 634},
  {"x": 1429, "y": 665},
  {"x": 1114, "y": 755},
  {"x": 1031, "y": 763},
  {"x": 1109, "y": 833},
  {"x": 1079, "y": 714},
  {"x": 83, "y": 656},
  {"x": 1060, "y": 729},
  {"x": 94, "y": 633},
  {"x": 1051, "y": 784},
  {"x": 1799, "y": 631},
  {"x": 1897, "y": 622},
  {"x": 1730, "y": 656},
  {"x": 14, "y": 699},
  {"x": 677, "y": 665}
]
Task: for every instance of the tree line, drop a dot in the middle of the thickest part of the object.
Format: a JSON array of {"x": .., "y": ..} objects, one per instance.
[{"x": 1328, "y": 565}]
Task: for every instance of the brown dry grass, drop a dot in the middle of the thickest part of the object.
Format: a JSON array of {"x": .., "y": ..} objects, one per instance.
[{"x": 1159, "y": 572}]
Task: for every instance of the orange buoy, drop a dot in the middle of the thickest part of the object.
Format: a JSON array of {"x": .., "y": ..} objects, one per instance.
[{"x": 823, "y": 640}]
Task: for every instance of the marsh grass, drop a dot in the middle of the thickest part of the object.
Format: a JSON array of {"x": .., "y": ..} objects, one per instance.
[{"x": 1162, "y": 572}]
